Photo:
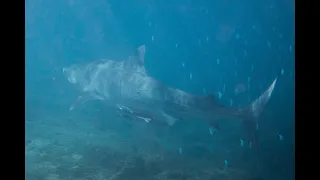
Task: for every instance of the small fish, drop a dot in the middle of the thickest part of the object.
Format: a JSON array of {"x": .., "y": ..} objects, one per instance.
[
  {"x": 226, "y": 163},
  {"x": 211, "y": 130},
  {"x": 180, "y": 150},
  {"x": 241, "y": 142},
  {"x": 281, "y": 138},
  {"x": 204, "y": 91}
]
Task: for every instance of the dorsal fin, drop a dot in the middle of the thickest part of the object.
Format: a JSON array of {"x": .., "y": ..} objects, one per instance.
[
  {"x": 137, "y": 59},
  {"x": 141, "y": 51}
]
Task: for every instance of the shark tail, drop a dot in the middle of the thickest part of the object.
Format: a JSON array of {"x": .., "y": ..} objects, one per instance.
[{"x": 252, "y": 113}]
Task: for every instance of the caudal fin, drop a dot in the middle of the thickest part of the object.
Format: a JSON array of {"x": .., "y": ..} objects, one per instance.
[{"x": 251, "y": 122}]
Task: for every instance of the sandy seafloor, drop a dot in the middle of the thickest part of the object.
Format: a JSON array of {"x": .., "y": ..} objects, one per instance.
[{"x": 88, "y": 144}]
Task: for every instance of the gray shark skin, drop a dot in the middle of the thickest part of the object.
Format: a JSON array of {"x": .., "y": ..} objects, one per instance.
[{"x": 126, "y": 87}]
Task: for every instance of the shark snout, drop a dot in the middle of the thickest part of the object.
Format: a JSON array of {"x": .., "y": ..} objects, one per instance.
[{"x": 69, "y": 74}]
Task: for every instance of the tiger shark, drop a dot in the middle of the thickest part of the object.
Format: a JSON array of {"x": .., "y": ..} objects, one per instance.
[{"x": 127, "y": 88}]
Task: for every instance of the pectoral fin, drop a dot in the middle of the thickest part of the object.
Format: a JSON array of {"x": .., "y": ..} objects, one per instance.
[
  {"x": 169, "y": 119},
  {"x": 83, "y": 99}
]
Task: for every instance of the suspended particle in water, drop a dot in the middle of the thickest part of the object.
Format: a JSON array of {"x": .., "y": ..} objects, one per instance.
[
  {"x": 235, "y": 74},
  {"x": 245, "y": 53},
  {"x": 257, "y": 126},
  {"x": 290, "y": 48},
  {"x": 231, "y": 102},
  {"x": 252, "y": 67},
  {"x": 219, "y": 95},
  {"x": 241, "y": 142},
  {"x": 218, "y": 61},
  {"x": 199, "y": 42},
  {"x": 238, "y": 36},
  {"x": 207, "y": 11},
  {"x": 176, "y": 45},
  {"x": 180, "y": 150},
  {"x": 183, "y": 65},
  {"x": 250, "y": 144},
  {"x": 212, "y": 149},
  {"x": 269, "y": 44},
  {"x": 190, "y": 76},
  {"x": 149, "y": 24},
  {"x": 249, "y": 79},
  {"x": 152, "y": 38},
  {"x": 224, "y": 88},
  {"x": 282, "y": 72},
  {"x": 236, "y": 91},
  {"x": 207, "y": 38},
  {"x": 274, "y": 29},
  {"x": 280, "y": 36}
]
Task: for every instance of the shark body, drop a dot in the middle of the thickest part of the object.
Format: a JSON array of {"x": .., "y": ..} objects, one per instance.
[{"x": 127, "y": 87}]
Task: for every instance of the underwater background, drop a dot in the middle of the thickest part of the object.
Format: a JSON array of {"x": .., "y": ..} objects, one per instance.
[{"x": 232, "y": 49}]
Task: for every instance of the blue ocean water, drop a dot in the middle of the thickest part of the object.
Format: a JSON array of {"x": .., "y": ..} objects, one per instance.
[{"x": 232, "y": 49}]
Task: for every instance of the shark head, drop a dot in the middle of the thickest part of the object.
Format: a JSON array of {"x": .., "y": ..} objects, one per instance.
[
  {"x": 78, "y": 75},
  {"x": 88, "y": 76},
  {"x": 72, "y": 74}
]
